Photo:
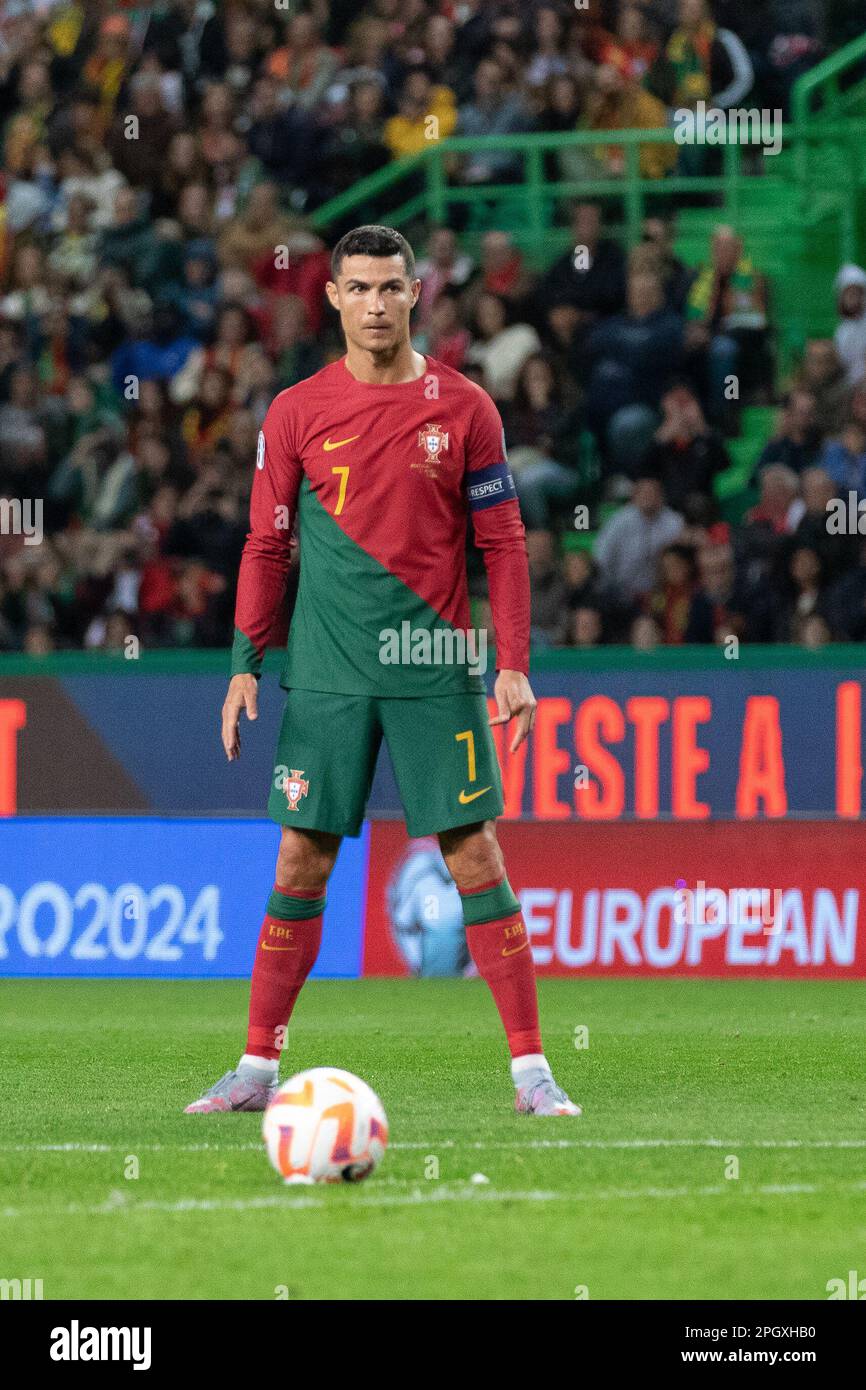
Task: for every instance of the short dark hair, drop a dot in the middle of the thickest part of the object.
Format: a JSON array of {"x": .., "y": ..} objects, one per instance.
[{"x": 372, "y": 241}]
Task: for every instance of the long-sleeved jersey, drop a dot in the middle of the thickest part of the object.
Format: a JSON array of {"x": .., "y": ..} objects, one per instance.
[{"x": 382, "y": 479}]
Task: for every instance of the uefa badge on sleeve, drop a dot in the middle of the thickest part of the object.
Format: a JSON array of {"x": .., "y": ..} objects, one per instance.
[{"x": 260, "y": 450}]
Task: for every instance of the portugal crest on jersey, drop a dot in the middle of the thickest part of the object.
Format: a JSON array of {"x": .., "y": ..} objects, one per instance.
[
  {"x": 433, "y": 440},
  {"x": 295, "y": 786}
]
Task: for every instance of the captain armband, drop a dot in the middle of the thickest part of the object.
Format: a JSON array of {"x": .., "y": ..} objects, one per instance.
[{"x": 490, "y": 485}]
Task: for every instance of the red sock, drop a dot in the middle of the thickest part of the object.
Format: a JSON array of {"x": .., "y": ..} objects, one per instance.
[
  {"x": 285, "y": 955},
  {"x": 502, "y": 953}
]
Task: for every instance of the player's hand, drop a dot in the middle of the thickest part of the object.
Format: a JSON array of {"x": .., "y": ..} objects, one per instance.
[
  {"x": 513, "y": 695},
  {"x": 243, "y": 694}
]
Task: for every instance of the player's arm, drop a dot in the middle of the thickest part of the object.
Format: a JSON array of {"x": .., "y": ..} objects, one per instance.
[
  {"x": 263, "y": 569},
  {"x": 501, "y": 538}
]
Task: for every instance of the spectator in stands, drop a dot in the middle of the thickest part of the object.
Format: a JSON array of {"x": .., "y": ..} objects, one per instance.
[
  {"x": 634, "y": 48},
  {"x": 846, "y": 600},
  {"x": 447, "y": 60},
  {"x": 797, "y": 441},
  {"x": 659, "y": 233},
  {"x": 304, "y": 65},
  {"x": 738, "y": 609},
  {"x": 682, "y": 611},
  {"x": 547, "y": 586},
  {"x": 631, "y": 358},
  {"x": 207, "y": 417},
  {"x": 630, "y": 542},
  {"x": 590, "y": 276},
  {"x": 823, "y": 374},
  {"x": 353, "y": 146},
  {"x": 230, "y": 351},
  {"x": 443, "y": 266},
  {"x": 28, "y": 295},
  {"x": 844, "y": 460},
  {"x": 543, "y": 435},
  {"x": 130, "y": 244},
  {"x": 645, "y": 633},
  {"x": 793, "y": 46},
  {"x": 557, "y": 107},
  {"x": 802, "y": 592},
  {"x": 581, "y": 574},
  {"x": 838, "y": 552},
  {"x": 707, "y": 64},
  {"x": 156, "y": 350},
  {"x": 584, "y": 626},
  {"x": 615, "y": 102},
  {"x": 297, "y": 354},
  {"x": 813, "y": 631},
  {"x": 107, "y": 69},
  {"x": 197, "y": 296},
  {"x": 283, "y": 139},
  {"x": 23, "y": 431},
  {"x": 447, "y": 338},
  {"x": 776, "y": 514},
  {"x": 548, "y": 59},
  {"x": 727, "y": 325},
  {"x": 420, "y": 102},
  {"x": 500, "y": 347},
  {"x": 139, "y": 150},
  {"x": 685, "y": 453},
  {"x": 850, "y": 335},
  {"x": 494, "y": 110},
  {"x": 502, "y": 271}
]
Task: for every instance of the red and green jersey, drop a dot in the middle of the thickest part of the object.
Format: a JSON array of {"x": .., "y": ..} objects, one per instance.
[{"x": 382, "y": 479}]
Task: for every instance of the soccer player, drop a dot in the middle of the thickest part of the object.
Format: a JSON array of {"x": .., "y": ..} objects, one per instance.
[{"x": 382, "y": 455}]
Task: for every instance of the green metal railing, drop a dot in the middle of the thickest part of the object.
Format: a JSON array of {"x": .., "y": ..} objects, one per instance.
[
  {"x": 819, "y": 99},
  {"x": 537, "y": 195},
  {"x": 819, "y": 90}
]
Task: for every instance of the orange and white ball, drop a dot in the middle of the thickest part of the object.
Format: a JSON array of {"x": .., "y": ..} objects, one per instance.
[{"x": 325, "y": 1125}]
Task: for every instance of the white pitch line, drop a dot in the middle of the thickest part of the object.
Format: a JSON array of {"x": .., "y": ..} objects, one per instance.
[
  {"x": 118, "y": 1205},
  {"x": 74, "y": 1146}
]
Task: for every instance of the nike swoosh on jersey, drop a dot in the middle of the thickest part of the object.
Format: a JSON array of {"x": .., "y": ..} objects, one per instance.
[
  {"x": 338, "y": 443},
  {"x": 513, "y": 950},
  {"x": 465, "y": 797}
]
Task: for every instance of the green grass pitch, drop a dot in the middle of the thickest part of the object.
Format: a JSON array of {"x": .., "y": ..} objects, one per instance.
[{"x": 681, "y": 1081}]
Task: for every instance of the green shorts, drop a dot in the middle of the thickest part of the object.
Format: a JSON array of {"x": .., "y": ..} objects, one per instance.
[{"x": 441, "y": 749}]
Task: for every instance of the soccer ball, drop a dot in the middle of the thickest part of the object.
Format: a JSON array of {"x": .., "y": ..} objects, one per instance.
[{"x": 325, "y": 1125}]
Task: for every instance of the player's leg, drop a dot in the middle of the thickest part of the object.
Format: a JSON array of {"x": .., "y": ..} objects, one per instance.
[
  {"x": 450, "y": 785},
  {"x": 288, "y": 944},
  {"x": 286, "y": 952},
  {"x": 499, "y": 945},
  {"x": 326, "y": 755}
]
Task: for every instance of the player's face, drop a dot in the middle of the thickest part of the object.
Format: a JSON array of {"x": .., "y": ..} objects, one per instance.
[{"x": 374, "y": 297}]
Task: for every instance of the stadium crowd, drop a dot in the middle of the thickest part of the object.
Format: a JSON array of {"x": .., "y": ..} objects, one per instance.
[{"x": 154, "y": 156}]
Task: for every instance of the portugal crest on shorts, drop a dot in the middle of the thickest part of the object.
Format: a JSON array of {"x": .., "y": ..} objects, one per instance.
[
  {"x": 295, "y": 786},
  {"x": 433, "y": 440}
]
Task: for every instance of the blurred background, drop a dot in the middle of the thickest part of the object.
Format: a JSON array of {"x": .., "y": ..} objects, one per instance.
[
  {"x": 641, "y": 227},
  {"x": 675, "y": 333}
]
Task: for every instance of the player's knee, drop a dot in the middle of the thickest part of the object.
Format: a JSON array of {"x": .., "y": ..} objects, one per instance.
[
  {"x": 473, "y": 855},
  {"x": 305, "y": 859}
]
